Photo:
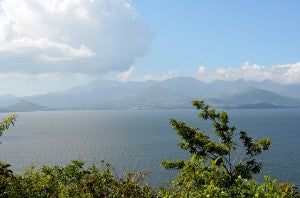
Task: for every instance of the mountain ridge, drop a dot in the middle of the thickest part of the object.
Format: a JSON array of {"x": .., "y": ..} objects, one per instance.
[
  {"x": 172, "y": 93},
  {"x": 255, "y": 96}
]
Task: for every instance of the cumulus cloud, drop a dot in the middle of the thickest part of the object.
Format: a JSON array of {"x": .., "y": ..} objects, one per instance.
[
  {"x": 128, "y": 75},
  {"x": 132, "y": 74},
  {"x": 160, "y": 77},
  {"x": 286, "y": 74},
  {"x": 88, "y": 36},
  {"x": 201, "y": 70}
]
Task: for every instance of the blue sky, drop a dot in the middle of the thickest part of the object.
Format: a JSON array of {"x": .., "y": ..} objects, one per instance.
[
  {"x": 50, "y": 45},
  {"x": 219, "y": 33}
]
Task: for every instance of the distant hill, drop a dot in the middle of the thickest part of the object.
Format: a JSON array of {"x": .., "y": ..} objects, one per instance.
[
  {"x": 260, "y": 106},
  {"x": 24, "y": 106},
  {"x": 253, "y": 97}
]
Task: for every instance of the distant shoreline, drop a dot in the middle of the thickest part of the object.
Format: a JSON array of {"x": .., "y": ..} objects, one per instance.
[{"x": 139, "y": 109}]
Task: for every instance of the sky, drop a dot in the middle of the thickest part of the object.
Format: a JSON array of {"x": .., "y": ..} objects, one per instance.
[{"x": 52, "y": 45}]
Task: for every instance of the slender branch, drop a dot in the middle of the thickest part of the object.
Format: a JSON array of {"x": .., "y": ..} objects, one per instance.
[{"x": 229, "y": 159}]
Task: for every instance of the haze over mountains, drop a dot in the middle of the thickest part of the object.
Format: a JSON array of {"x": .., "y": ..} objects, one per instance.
[{"x": 172, "y": 93}]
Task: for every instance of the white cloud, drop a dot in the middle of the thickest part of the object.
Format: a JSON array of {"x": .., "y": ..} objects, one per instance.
[
  {"x": 160, "y": 77},
  {"x": 288, "y": 73},
  {"x": 127, "y": 75},
  {"x": 90, "y": 36},
  {"x": 201, "y": 70},
  {"x": 284, "y": 74}
]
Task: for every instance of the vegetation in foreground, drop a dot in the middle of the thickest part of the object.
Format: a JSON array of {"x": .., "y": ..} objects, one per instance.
[{"x": 213, "y": 170}]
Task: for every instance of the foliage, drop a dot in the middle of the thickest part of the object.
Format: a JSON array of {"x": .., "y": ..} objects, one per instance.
[
  {"x": 5, "y": 172},
  {"x": 5, "y": 124},
  {"x": 194, "y": 180},
  {"x": 75, "y": 181},
  {"x": 212, "y": 171},
  {"x": 202, "y": 146},
  {"x": 197, "y": 179}
]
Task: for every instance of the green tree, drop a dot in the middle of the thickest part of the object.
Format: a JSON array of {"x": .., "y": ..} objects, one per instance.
[
  {"x": 198, "y": 143},
  {"x": 211, "y": 171}
]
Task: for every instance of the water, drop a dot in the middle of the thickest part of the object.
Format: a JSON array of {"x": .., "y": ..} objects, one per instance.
[{"x": 140, "y": 140}]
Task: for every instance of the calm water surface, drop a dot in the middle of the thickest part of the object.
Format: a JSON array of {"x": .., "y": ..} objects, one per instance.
[{"x": 140, "y": 140}]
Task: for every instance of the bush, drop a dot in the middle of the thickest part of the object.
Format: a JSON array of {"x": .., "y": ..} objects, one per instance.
[{"x": 75, "y": 181}]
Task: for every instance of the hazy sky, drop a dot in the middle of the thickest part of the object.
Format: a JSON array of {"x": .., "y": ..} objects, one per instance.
[{"x": 48, "y": 45}]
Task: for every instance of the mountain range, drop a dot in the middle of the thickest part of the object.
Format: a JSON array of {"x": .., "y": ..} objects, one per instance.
[{"x": 172, "y": 93}]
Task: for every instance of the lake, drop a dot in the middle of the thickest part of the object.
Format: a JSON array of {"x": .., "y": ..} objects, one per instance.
[{"x": 140, "y": 139}]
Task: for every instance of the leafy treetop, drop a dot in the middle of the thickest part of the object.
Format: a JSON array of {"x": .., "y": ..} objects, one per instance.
[
  {"x": 199, "y": 144},
  {"x": 6, "y": 122}
]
